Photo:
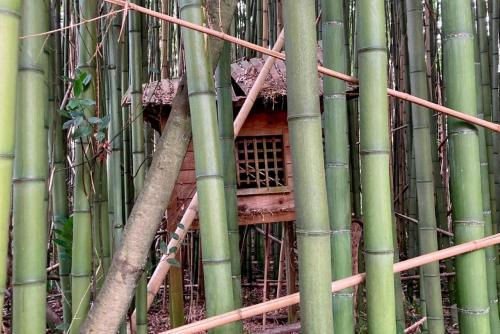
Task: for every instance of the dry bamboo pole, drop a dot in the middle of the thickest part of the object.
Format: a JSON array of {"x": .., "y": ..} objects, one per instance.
[
  {"x": 190, "y": 214},
  {"x": 342, "y": 284},
  {"x": 321, "y": 69},
  {"x": 416, "y": 325}
]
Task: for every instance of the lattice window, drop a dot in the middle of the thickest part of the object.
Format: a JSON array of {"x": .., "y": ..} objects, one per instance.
[{"x": 260, "y": 162}]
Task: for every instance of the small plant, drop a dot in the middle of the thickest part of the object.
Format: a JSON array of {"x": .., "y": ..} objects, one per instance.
[{"x": 75, "y": 111}]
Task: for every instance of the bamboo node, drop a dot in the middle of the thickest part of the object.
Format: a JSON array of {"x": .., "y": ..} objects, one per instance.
[
  {"x": 458, "y": 35},
  {"x": 317, "y": 233},
  {"x": 10, "y": 12},
  {"x": 474, "y": 312},
  {"x": 340, "y": 96}
]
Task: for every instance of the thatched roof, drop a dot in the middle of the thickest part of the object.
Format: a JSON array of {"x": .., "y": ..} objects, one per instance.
[{"x": 243, "y": 73}]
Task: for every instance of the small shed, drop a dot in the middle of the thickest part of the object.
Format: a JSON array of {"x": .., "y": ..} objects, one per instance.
[{"x": 262, "y": 148}]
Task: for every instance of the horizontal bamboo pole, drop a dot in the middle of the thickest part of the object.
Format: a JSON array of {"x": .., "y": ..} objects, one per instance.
[
  {"x": 342, "y": 284},
  {"x": 321, "y": 69}
]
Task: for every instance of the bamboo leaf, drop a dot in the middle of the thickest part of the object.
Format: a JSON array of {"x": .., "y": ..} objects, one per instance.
[
  {"x": 174, "y": 263},
  {"x": 175, "y": 236},
  {"x": 172, "y": 250},
  {"x": 181, "y": 226},
  {"x": 163, "y": 247}
]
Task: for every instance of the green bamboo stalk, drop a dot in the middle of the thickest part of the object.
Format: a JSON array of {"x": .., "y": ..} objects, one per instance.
[
  {"x": 9, "y": 28},
  {"x": 60, "y": 210},
  {"x": 465, "y": 181},
  {"x": 483, "y": 92},
  {"x": 81, "y": 269},
  {"x": 30, "y": 169},
  {"x": 375, "y": 179},
  {"x": 421, "y": 123},
  {"x": 137, "y": 67},
  {"x": 311, "y": 206},
  {"x": 115, "y": 180},
  {"x": 208, "y": 165},
  {"x": 337, "y": 162},
  {"x": 226, "y": 134},
  {"x": 493, "y": 10}
]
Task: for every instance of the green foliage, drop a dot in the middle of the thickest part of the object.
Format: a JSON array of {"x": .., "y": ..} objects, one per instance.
[
  {"x": 64, "y": 237},
  {"x": 75, "y": 112}
]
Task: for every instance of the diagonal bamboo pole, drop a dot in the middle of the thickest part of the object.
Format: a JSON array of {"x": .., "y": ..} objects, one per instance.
[
  {"x": 342, "y": 284},
  {"x": 392, "y": 92},
  {"x": 190, "y": 214}
]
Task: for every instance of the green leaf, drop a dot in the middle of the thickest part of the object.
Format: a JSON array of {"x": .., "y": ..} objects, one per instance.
[
  {"x": 65, "y": 256},
  {"x": 64, "y": 113},
  {"x": 62, "y": 243},
  {"x": 73, "y": 104},
  {"x": 100, "y": 136},
  {"x": 172, "y": 250},
  {"x": 174, "y": 263},
  {"x": 181, "y": 226},
  {"x": 175, "y": 236},
  {"x": 77, "y": 88},
  {"x": 94, "y": 120},
  {"x": 163, "y": 247},
  {"x": 67, "y": 124},
  {"x": 105, "y": 121},
  {"x": 63, "y": 327},
  {"x": 86, "y": 102},
  {"x": 83, "y": 131},
  {"x": 86, "y": 80}
]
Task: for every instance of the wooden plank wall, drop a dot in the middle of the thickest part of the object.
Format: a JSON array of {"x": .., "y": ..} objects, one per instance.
[{"x": 254, "y": 208}]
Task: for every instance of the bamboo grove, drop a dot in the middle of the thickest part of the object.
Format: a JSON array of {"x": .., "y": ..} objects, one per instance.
[{"x": 249, "y": 166}]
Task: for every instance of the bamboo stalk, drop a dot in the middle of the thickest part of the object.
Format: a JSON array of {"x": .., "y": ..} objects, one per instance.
[
  {"x": 310, "y": 196},
  {"x": 392, "y": 92},
  {"x": 421, "y": 124},
  {"x": 226, "y": 137},
  {"x": 292, "y": 299},
  {"x": 465, "y": 175},
  {"x": 336, "y": 130},
  {"x": 375, "y": 178},
  {"x": 137, "y": 75},
  {"x": 483, "y": 92},
  {"x": 208, "y": 166},
  {"x": 30, "y": 166},
  {"x": 191, "y": 211},
  {"x": 81, "y": 269}
]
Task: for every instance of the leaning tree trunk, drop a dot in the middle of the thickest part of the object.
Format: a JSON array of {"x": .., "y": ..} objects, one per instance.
[
  {"x": 208, "y": 166},
  {"x": 337, "y": 162},
  {"x": 9, "y": 29},
  {"x": 311, "y": 207},
  {"x": 421, "y": 123},
  {"x": 226, "y": 129},
  {"x": 30, "y": 174},
  {"x": 465, "y": 179},
  {"x": 375, "y": 179},
  {"x": 129, "y": 259}
]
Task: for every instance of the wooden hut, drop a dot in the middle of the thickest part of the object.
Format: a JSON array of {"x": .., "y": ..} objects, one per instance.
[{"x": 262, "y": 148}]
